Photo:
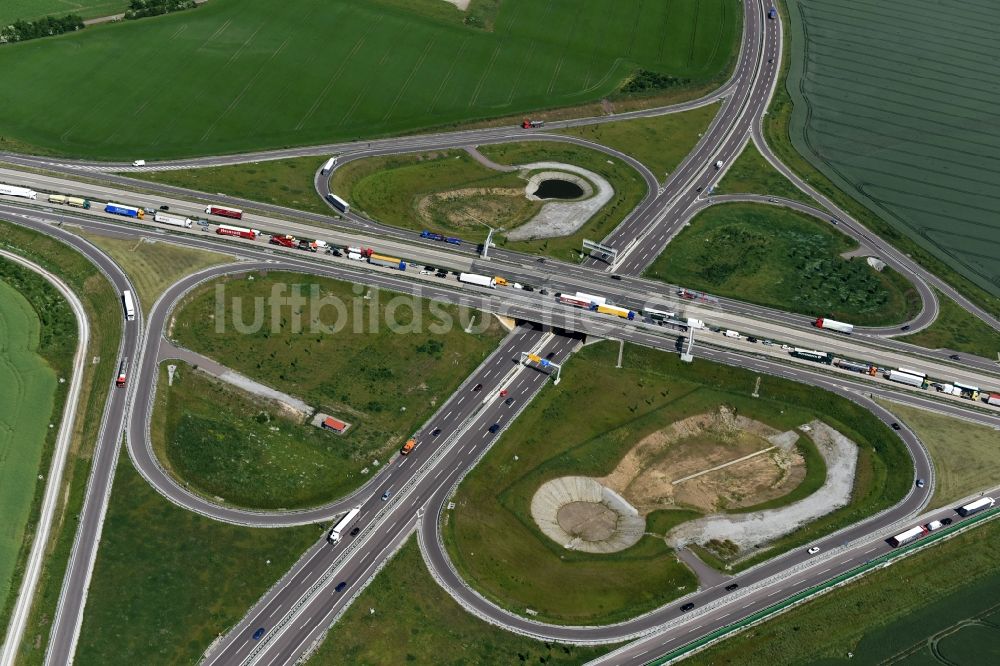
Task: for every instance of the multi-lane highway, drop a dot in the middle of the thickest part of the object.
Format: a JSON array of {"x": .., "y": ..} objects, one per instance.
[{"x": 408, "y": 494}]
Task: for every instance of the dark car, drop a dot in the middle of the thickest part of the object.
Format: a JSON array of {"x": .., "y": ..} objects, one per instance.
[
  {"x": 946, "y": 521},
  {"x": 955, "y": 357},
  {"x": 700, "y": 189},
  {"x": 341, "y": 586},
  {"x": 337, "y": 253},
  {"x": 544, "y": 292},
  {"x": 164, "y": 207},
  {"x": 355, "y": 531},
  {"x": 508, "y": 401},
  {"x": 441, "y": 274},
  {"x": 528, "y": 287},
  {"x": 751, "y": 339},
  {"x": 920, "y": 483},
  {"x": 435, "y": 432},
  {"x": 895, "y": 426},
  {"x": 477, "y": 387},
  {"x": 616, "y": 277},
  {"x": 259, "y": 634},
  {"x": 494, "y": 428},
  {"x": 550, "y": 356},
  {"x": 904, "y": 328},
  {"x": 732, "y": 586},
  {"x": 429, "y": 268},
  {"x": 307, "y": 246},
  {"x": 686, "y": 607}
]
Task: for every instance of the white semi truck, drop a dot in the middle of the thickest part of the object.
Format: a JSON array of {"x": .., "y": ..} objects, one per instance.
[
  {"x": 15, "y": 191},
  {"x": 480, "y": 280},
  {"x": 172, "y": 220},
  {"x": 343, "y": 525}
]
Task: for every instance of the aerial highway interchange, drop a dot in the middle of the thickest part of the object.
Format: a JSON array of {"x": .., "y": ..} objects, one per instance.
[{"x": 408, "y": 495}]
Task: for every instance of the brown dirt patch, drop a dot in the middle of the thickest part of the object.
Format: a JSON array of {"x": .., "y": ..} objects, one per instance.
[
  {"x": 589, "y": 521},
  {"x": 646, "y": 474},
  {"x": 491, "y": 202}
]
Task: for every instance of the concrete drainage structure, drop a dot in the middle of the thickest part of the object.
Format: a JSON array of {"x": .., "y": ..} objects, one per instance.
[
  {"x": 562, "y": 218},
  {"x": 579, "y": 513}
]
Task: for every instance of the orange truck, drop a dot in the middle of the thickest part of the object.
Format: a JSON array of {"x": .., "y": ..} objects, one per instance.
[{"x": 409, "y": 446}]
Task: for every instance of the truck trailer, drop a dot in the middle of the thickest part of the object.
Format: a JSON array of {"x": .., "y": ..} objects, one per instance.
[
  {"x": 388, "y": 262},
  {"x": 624, "y": 313},
  {"x": 343, "y": 525},
  {"x": 172, "y": 220},
  {"x": 78, "y": 202},
  {"x": 57, "y": 199},
  {"x": 994, "y": 399},
  {"x": 125, "y": 211},
  {"x": 480, "y": 280},
  {"x": 906, "y": 378},
  {"x": 812, "y": 355},
  {"x": 15, "y": 191},
  {"x": 240, "y": 232},
  {"x": 122, "y": 372},
  {"x": 583, "y": 300},
  {"x": 338, "y": 203},
  {"x": 833, "y": 325},
  {"x": 328, "y": 166},
  {"x": 283, "y": 240},
  {"x": 223, "y": 211},
  {"x": 908, "y": 536},
  {"x": 980, "y": 504},
  {"x": 701, "y": 297},
  {"x": 129, "y": 305}
]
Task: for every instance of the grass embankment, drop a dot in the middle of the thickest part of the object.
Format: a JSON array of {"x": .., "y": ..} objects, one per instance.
[
  {"x": 783, "y": 259},
  {"x": 752, "y": 174},
  {"x": 417, "y": 622},
  {"x": 412, "y": 192},
  {"x": 777, "y": 132},
  {"x": 286, "y": 183},
  {"x": 31, "y": 10},
  {"x": 889, "y": 613},
  {"x": 104, "y": 313},
  {"x": 966, "y": 455},
  {"x": 659, "y": 142},
  {"x": 350, "y": 361},
  {"x": 405, "y": 70},
  {"x": 191, "y": 578},
  {"x": 630, "y": 188},
  {"x": 38, "y": 335},
  {"x": 155, "y": 265},
  {"x": 957, "y": 330},
  {"x": 491, "y": 536}
]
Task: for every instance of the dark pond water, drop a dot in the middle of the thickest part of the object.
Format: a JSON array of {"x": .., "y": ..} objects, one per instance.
[{"x": 558, "y": 189}]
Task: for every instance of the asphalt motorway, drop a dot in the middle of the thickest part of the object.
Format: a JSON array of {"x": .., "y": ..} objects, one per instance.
[{"x": 465, "y": 420}]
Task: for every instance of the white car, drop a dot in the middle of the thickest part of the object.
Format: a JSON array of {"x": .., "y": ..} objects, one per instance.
[
  {"x": 814, "y": 550},
  {"x": 139, "y": 163}
]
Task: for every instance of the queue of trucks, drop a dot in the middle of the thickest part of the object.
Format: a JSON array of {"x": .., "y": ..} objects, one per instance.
[{"x": 919, "y": 531}]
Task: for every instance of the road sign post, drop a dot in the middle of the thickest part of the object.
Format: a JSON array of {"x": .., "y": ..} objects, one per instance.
[{"x": 604, "y": 252}]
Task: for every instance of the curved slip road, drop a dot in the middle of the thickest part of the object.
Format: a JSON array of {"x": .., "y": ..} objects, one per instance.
[{"x": 53, "y": 484}]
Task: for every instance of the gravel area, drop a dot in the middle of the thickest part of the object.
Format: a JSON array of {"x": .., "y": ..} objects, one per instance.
[
  {"x": 752, "y": 529},
  {"x": 563, "y": 218}
]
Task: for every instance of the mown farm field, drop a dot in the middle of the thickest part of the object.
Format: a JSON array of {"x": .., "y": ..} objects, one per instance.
[
  {"x": 232, "y": 76},
  {"x": 898, "y": 107}
]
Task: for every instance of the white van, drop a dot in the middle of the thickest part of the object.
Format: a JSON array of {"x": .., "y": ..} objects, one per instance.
[
  {"x": 934, "y": 525},
  {"x": 733, "y": 334},
  {"x": 139, "y": 163}
]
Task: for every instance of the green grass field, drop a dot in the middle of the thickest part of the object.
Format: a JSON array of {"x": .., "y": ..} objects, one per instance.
[
  {"x": 29, "y": 10},
  {"x": 660, "y": 142},
  {"x": 907, "y": 141},
  {"x": 956, "y": 329},
  {"x": 752, "y": 174},
  {"x": 490, "y": 534},
  {"x": 966, "y": 455},
  {"x": 385, "y": 380},
  {"x": 27, "y": 391},
  {"x": 942, "y": 599},
  {"x": 191, "y": 578},
  {"x": 783, "y": 259},
  {"x": 415, "y": 621},
  {"x": 103, "y": 308},
  {"x": 280, "y": 182},
  {"x": 154, "y": 266},
  {"x": 235, "y": 76}
]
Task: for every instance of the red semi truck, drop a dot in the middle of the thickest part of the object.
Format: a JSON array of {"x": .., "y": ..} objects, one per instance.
[
  {"x": 284, "y": 241},
  {"x": 234, "y": 213},
  {"x": 241, "y": 232}
]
